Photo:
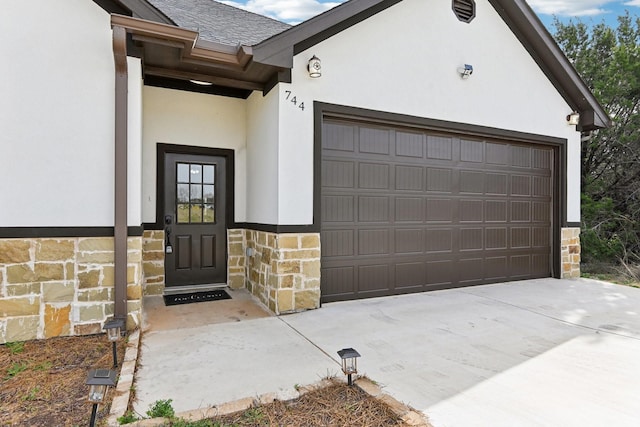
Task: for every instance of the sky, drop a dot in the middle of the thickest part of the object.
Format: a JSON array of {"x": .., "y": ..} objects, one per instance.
[{"x": 589, "y": 11}]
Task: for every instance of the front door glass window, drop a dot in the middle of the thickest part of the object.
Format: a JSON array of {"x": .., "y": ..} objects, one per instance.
[{"x": 195, "y": 193}]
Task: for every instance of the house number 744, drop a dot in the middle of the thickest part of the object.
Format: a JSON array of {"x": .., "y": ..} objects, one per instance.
[{"x": 293, "y": 99}]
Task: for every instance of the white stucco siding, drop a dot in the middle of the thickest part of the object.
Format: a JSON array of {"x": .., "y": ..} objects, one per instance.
[
  {"x": 194, "y": 119},
  {"x": 262, "y": 157},
  {"x": 404, "y": 60},
  {"x": 56, "y": 114}
]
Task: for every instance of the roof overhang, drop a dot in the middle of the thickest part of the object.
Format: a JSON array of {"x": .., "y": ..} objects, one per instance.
[{"x": 170, "y": 53}]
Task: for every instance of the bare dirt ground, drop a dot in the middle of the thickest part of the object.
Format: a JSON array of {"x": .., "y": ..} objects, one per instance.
[{"x": 42, "y": 382}]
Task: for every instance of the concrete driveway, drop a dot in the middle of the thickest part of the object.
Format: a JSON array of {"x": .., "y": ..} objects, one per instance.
[{"x": 531, "y": 353}]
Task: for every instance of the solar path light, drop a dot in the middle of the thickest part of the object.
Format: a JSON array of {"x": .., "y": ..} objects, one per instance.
[
  {"x": 114, "y": 329},
  {"x": 99, "y": 381},
  {"x": 349, "y": 362}
]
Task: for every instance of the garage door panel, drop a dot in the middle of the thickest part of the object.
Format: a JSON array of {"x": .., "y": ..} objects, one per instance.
[
  {"x": 439, "y": 147},
  {"x": 408, "y": 211},
  {"x": 496, "y": 184},
  {"x": 470, "y": 270},
  {"x": 496, "y": 268},
  {"x": 374, "y": 141},
  {"x": 410, "y": 275},
  {"x": 373, "y": 242},
  {"x": 338, "y": 243},
  {"x": 440, "y": 210},
  {"x": 410, "y": 144},
  {"x": 521, "y": 156},
  {"x": 440, "y": 273},
  {"x": 439, "y": 240},
  {"x": 471, "y": 182},
  {"x": 471, "y": 211},
  {"x": 338, "y": 137},
  {"x": 409, "y": 178},
  {"x": 496, "y": 211},
  {"x": 471, "y": 151},
  {"x": 409, "y": 241},
  {"x": 374, "y": 176},
  {"x": 338, "y": 208},
  {"x": 338, "y": 174},
  {"x": 439, "y": 180},
  {"x": 496, "y": 238},
  {"x": 373, "y": 278},
  {"x": 373, "y": 209}
]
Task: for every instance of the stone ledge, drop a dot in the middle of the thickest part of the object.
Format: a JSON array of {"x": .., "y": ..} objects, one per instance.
[{"x": 120, "y": 401}]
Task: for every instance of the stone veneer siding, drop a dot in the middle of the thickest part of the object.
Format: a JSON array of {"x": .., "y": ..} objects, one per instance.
[
  {"x": 153, "y": 262},
  {"x": 283, "y": 270},
  {"x": 53, "y": 287},
  {"x": 570, "y": 252}
]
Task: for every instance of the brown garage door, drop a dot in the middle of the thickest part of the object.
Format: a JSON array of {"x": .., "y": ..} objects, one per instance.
[{"x": 405, "y": 210}]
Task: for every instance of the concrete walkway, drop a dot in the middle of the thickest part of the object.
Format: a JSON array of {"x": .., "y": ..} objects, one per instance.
[{"x": 531, "y": 353}]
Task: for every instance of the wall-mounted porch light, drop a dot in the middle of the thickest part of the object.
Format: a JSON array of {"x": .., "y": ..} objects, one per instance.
[
  {"x": 349, "y": 358},
  {"x": 573, "y": 119},
  {"x": 114, "y": 329},
  {"x": 314, "y": 67},
  {"x": 99, "y": 380},
  {"x": 465, "y": 71}
]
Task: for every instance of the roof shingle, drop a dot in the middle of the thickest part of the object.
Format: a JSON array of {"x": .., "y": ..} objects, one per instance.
[{"x": 220, "y": 23}]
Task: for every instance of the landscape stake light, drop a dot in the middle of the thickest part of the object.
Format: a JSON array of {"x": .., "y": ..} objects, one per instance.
[
  {"x": 114, "y": 329},
  {"x": 98, "y": 381},
  {"x": 349, "y": 362}
]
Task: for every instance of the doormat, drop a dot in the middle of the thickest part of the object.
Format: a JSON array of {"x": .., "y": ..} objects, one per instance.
[{"x": 214, "y": 295}]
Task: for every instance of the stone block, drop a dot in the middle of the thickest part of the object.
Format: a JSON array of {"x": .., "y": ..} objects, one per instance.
[
  {"x": 132, "y": 275},
  {"x": 14, "y": 251},
  {"x": 155, "y": 279},
  {"x": 153, "y": 256},
  {"x": 134, "y": 292},
  {"x": 311, "y": 269},
  {"x": 88, "y": 329},
  {"x": 46, "y": 271},
  {"x": 56, "y": 320},
  {"x": 310, "y": 241},
  {"x": 89, "y": 279},
  {"x": 1, "y": 277},
  {"x": 20, "y": 273},
  {"x": 57, "y": 292},
  {"x": 109, "y": 308},
  {"x": 288, "y": 242},
  {"x": 70, "y": 271},
  {"x": 55, "y": 250},
  {"x": 96, "y": 257},
  {"x": 93, "y": 312},
  {"x": 133, "y": 306},
  {"x": 236, "y": 249},
  {"x": 153, "y": 269},
  {"x": 285, "y": 281},
  {"x": 261, "y": 238},
  {"x": 96, "y": 244},
  {"x": 284, "y": 267},
  {"x": 21, "y": 306},
  {"x": 94, "y": 295},
  {"x": 285, "y": 300},
  {"x": 23, "y": 289},
  {"x": 302, "y": 254},
  {"x": 236, "y": 282},
  {"x": 307, "y": 299},
  {"x": 153, "y": 245},
  {"x": 134, "y": 256},
  {"x": 311, "y": 284},
  {"x": 108, "y": 276},
  {"x": 134, "y": 243},
  {"x": 154, "y": 289},
  {"x": 22, "y": 328}
]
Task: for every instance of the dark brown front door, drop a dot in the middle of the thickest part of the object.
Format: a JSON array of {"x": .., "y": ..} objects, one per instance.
[{"x": 194, "y": 216}]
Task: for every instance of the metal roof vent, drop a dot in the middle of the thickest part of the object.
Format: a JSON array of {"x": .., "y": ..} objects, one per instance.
[{"x": 465, "y": 10}]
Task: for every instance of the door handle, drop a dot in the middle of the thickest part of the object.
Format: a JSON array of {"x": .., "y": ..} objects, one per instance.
[{"x": 168, "y": 249}]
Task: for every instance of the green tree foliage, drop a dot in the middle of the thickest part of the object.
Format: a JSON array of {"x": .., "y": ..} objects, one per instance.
[{"x": 608, "y": 59}]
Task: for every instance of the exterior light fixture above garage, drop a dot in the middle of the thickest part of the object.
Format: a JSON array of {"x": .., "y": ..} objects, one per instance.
[{"x": 314, "y": 67}]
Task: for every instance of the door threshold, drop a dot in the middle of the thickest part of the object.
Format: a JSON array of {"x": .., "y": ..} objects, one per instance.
[{"x": 183, "y": 289}]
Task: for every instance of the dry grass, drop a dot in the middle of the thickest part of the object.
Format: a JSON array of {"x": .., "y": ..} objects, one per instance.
[
  {"x": 335, "y": 405},
  {"x": 42, "y": 383}
]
